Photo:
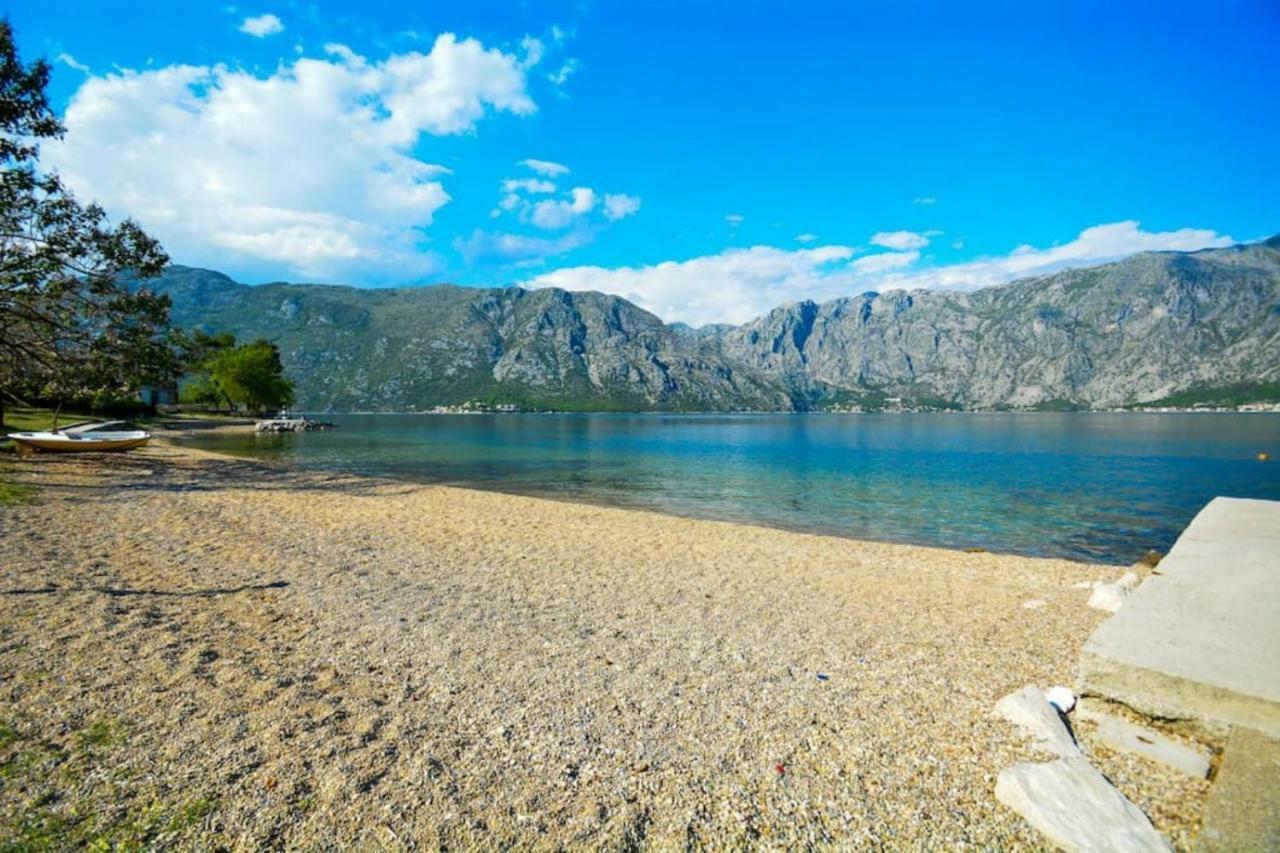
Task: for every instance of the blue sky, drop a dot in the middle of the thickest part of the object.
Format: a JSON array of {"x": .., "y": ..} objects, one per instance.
[{"x": 721, "y": 157}]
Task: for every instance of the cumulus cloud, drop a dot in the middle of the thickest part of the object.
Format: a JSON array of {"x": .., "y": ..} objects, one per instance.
[
  {"x": 806, "y": 237},
  {"x": 539, "y": 203},
  {"x": 620, "y": 206},
  {"x": 884, "y": 262},
  {"x": 739, "y": 284},
  {"x": 1095, "y": 245},
  {"x": 900, "y": 240},
  {"x": 735, "y": 219},
  {"x": 733, "y": 286},
  {"x": 310, "y": 169},
  {"x": 262, "y": 26},
  {"x": 545, "y": 167},
  {"x": 554, "y": 214}
]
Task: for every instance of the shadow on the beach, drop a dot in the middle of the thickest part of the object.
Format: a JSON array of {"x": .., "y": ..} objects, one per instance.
[
  {"x": 117, "y": 592},
  {"x": 151, "y": 472}
]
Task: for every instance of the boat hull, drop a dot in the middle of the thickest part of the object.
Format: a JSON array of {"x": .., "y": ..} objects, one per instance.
[{"x": 53, "y": 445}]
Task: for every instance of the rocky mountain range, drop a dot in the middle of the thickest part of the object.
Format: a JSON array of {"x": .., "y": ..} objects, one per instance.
[{"x": 1155, "y": 328}]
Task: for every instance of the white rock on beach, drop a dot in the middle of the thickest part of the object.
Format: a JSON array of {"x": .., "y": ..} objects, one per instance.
[
  {"x": 1029, "y": 710},
  {"x": 1076, "y": 808},
  {"x": 1109, "y": 597}
]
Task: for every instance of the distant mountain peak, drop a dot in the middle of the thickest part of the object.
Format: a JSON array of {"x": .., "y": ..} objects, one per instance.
[{"x": 1151, "y": 327}]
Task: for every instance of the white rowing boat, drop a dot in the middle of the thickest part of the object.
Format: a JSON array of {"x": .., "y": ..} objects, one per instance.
[{"x": 87, "y": 438}]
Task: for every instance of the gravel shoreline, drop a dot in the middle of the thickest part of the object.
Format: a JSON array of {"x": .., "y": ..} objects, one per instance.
[{"x": 198, "y": 651}]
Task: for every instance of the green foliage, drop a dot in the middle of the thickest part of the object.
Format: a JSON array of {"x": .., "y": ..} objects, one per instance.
[
  {"x": 68, "y": 327},
  {"x": 12, "y": 494},
  {"x": 1212, "y": 396},
  {"x": 202, "y": 390},
  {"x": 1058, "y": 405},
  {"x": 251, "y": 375},
  {"x": 63, "y": 799},
  {"x": 222, "y": 373}
]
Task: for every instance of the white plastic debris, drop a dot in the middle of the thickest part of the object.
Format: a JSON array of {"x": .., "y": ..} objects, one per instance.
[{"x": 1061, "y": 698}]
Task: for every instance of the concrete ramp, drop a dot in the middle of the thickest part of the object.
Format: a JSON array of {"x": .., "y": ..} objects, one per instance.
[{"x": 1200, "y": 640}]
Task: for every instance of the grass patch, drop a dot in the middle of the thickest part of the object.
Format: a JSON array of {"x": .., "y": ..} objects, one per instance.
[
  {"x": 100, "y": 734},
  {"x": 12, "y": 494},
  {"x": 30, "y": 420},
  {"x": 53, "y": 798},
  {"x": 44, "y": 826}
]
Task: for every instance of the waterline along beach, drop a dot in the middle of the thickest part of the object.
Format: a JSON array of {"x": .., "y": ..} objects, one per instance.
[
  {"x": 1096, "y": 487},
  {"x": 318, "y": 658},
  {"x": 565, "y": 426}
]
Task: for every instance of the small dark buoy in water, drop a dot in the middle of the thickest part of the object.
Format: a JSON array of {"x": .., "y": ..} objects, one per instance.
[{"x": 1264, "y": 456}]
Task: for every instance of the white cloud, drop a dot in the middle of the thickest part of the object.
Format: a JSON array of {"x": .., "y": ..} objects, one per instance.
[
  {"x": 528, "y": 185},
  {"x": 519, "y": 249},
  {"x": 581, "y": 213},
  {"x": 310, "y": 169},
  {"x": 70, "y": 61},
  {"x": 554, "y": 214},
  {"x": 740, "y": 284},
  {"x": 735, "y": 219},
  {"x": 733, "y": 286},
  {"x": 534, "y": 51},
  {"x": 884, "y": 261},
  {"x": 924, "y": 200},
  {"x": 1095, "y": 245},
  {"x": 900, "y": 240},
  {"x": 620, "y": 206},
  {"x": 545, "y": 167},
  {"x": 806, "y": 237},
  {"x": 262, "y": 26},
  {"x": 567, "y": 69}
]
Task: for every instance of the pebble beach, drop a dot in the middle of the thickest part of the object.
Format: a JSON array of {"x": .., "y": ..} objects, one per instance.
[{"x": 198, "y": 651}]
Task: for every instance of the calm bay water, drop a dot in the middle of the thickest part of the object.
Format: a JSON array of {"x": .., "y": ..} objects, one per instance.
[{"x": 1103, "y": 487}]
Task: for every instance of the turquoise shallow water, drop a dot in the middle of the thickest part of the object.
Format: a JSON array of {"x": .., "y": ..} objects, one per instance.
[{"x": 1102, "y": 487}]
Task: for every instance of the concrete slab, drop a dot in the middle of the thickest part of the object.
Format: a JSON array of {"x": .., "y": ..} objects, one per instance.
[
  {"x": 1118, "y": 733},
  {"x": 1243, "y": 809},
  {"x": 1200, "y": 640}
]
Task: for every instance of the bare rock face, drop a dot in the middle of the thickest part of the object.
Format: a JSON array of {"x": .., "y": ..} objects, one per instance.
[{"x": 1135, "y": 331}]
